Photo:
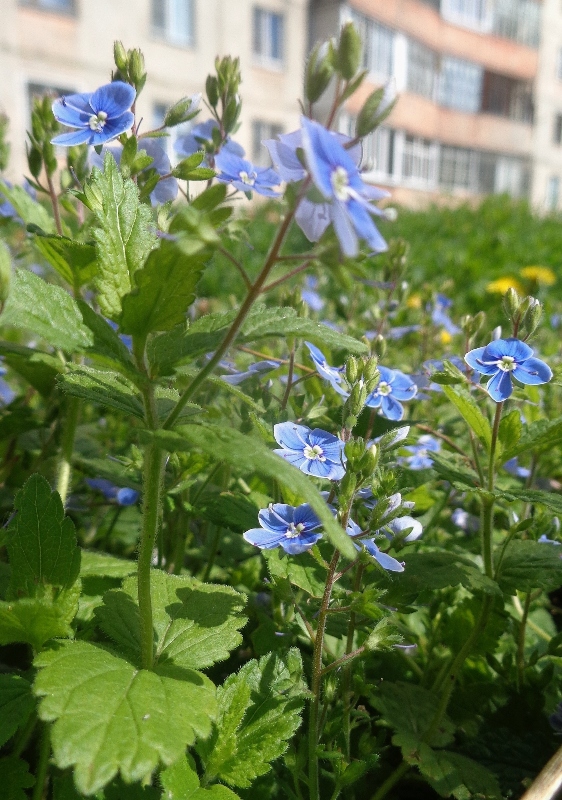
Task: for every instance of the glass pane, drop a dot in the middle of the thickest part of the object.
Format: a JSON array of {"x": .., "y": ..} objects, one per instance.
[
  {"x": 179, "y": 23},
  {"x": 258, "y": 32},
  {"x": 276, "y": 30},
  {"x": 57, "y": 5},
  {"x": 460, "y": 85},
  {"x": 159, "y": 14}
]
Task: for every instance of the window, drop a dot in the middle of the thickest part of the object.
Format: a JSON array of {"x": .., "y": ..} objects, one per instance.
[
  {"x": 378, "y": 152},
  {"x": 423, "y": 66},
  {"x": 419, "y": 161},
  {"x": 268, "y": 36},
  {"x": 511, "y": 176},
  {"x": 459, "y": 168},
  {"x": 470, "y": 13},
  {"x": 552, "y": 193},
  {"x": 174, "y": 20},
  {"x": 58, "y": 6},
  {"x": 507, "y": 97},
  {"x": 378, "y": 45},
  {"x": 460, "y": 85},
  {"x": 260, "y": 131},
  {"x": 518, "y": 20}
]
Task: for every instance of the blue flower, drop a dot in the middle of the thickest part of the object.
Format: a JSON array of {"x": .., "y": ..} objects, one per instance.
[
  {"x": 512, "y": 466},
  {"x": 440, "y": 317},
  {"x": 293, "y": 529},
  {"x": 99, "y": 116},
  {"x": 246, "y": 177},
  {"x": 310, "y": 296},
  {"x": 390, "y": 523},
  {"x": 166, "y": 189},
  {"x": 392, "y": 390},
  {"x": 337, "y": 178},
  {"x": 201, "y": 138},
  {"x": 123, "y": 497},
  {"x": 256, "y": 369},
  {"x": 465, "y": 521},
  {"x": 387, "y": 562},
  {"x": 420, "y": 458},
  {"x": 314, "y": 452},
  {"x": 334, "y": 375},
  {"x": 504, "y": 359}
]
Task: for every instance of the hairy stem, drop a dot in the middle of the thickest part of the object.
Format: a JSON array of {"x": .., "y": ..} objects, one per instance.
[
  {"x": 313, "y": 728},
  {"x": 346, "y": 688},
  {"x": 55, "y": 204},
  {"x": 67, "y": 447}
]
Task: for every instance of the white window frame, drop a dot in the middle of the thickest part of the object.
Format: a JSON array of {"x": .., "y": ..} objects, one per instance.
[
  {"x": 262, "y": 38},
  {"x": 170, "y": 31},
  {"x": 423, "y": 156}
]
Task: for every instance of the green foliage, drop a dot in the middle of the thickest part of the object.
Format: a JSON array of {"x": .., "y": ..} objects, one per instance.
[
  {"x": 30, "y": 211},
  {"x": 36, "y": 620},
  {"x": 181, "y": 782},
  {"x": 529, "y": 565},
  {"x": 15, "y": 777},
  {"x": 16, "y": 704},
  {"x": 123, "y": 234},
  {"x": 74, "y": 261},
  {"x": 101, "y": 386},
  {"x": 108, "y": 716},
  {"x": 47, "y": 311},
  {"x": 259, "y": 711},
  {"x": 468, "y": 409},
  {"x": 410, "y": 709}
]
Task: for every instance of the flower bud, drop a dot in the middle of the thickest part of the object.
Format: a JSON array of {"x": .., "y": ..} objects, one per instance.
[
  {"x": 370, "y": 459},
  {"x": 34, "y": 161},
  {"x": 318, "y": 73},
  {"x": 349, "y": 51},
  {"x": 120, "y": 56},
  {"x": 377, "y": 107},
  {"x": 532, "y": 317},
  {"x": 351, "y": 370},
  {"x": 378, "y": 346},
  {"x": 212, "y": 90},
  {"x": 348, "y": 485},
  {"x": 183, "y": 110},
  {"x": 136, "y": 69},
  {"x": 231, "y": 113},
  {"x": 511, "y": 303},
  {"x": 370, "y": 368},
  {"x": 354, "y": 450}
]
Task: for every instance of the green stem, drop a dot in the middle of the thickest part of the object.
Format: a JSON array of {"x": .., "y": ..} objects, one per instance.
[
  {"x": 43, "y": 764},
  {"x": 521, "y": 642},
  {"x": 67, "y": 447},
  {"x": 391, "y": 781},
  {"x": 55, "y": 204},
  {"x": 213, "y": 553},
  {"x": 313, "y": 729},
  {"x": 151, "y": 511}
]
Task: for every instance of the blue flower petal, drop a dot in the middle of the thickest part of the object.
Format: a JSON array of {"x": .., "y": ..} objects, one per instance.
[
  {"x": 276, "y": 517},
  {"x": 373, "y": 400},
  {"x": 403, "y": 387},
  {"x": 533, "y": 371},
  {"x": 400, "y": 524},
  {"x": 291, "y": 435},
  {"x": 265, "y": 540},
  {"x": 386, "y": 561},
  {"x": 391, "y": 408},
  {"x": 73, "y": 138},
  {"x": 295, "y": 458},
  {"x": 474, "y": 359},
  {"x": 299, "y": 544},
  {"x": 114, "y": 98},
  {"x": 127, "y": 497},
  {"x": 500, "y": 387},
  {"x": 344, "y": 229},
  {"x": 312, "y": 218},
  {"x": 73, "y": 110},
  {"x": 506, "y": 347},
  {"x": 364, "y": 225},
  {"x": 304, "y": 515}
]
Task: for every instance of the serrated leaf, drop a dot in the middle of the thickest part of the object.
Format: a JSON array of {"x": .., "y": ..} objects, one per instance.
[
  {"x": 259, "y": 711},
  {"x": 64, "y": 789},
  {"x": 408, "y": 708},
  {"x": 111, "y": 717},
  {"x": 249, "y": 455},
  {"x": 16, "y": 704},
  {"x": 539, "y": 435},
  {"x": 46, "y": 310},
  {"x": 181, "y": 782},
  {"x": 123, "y": 237},
  {"x": 195, "y": 624},
  {"x": 15, "y": 777},
  {"x": 74, "y": 261},
  {"x": 36, "y": 620},
  {"x": 28, "y": 209},
  {"x": 529, "y": 565},
  {"x": 102, "y": 387},
  {"x": 97, "y": 564},
  {"x": 509, "y": 433},
  {"x": 455, "y": 775},
  {"x": 453, "y": 467},
  {"x": 470, "y": 412},
  {"x": 38, "y": 369},
  {"x": 163, "y": 290},
  {"x": 41, "y": 541},
  {"x": 302, "y": 571},
  {"x": 548, "y": 499},
  {"x": 107, "y": 343}
]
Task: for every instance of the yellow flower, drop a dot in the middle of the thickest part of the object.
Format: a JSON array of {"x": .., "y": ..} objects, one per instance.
[
  {"x": 414, "y": 301},
  {"x": 501, "y": 285},
  {"x": 542, "y": 275},
  {"x": 445, "y": 337}
]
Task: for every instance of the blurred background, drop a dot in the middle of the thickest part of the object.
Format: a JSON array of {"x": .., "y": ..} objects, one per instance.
[{"x": 480, "y": 81}]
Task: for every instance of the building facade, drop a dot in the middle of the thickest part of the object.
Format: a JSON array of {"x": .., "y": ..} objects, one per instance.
[
  {"x": 66, "y": 46},
  {"x": 466, "y": 72}
]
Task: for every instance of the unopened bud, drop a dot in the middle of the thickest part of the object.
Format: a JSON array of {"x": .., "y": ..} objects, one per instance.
[
  {"x": 532, "y": 316},
  {"x": 378, "y": 346},
  {"x": 212, "y": 90},
  {"x": 136, "y": 69},
  {"x": 376, "y": 108},
  {"x": 182, "y": 111},
  {"x": 347, "y": 488},
  {"x": 120, "y": 56},
  {"x": 511, "y": 303},
  {"x": 370, "y": 368},
  {"x": 354, "y": 450},
  {"x": 318, "y": 73},
  {"x": 351, "y": 370},
  {"x": 349, "y": 51},
  {"x": 370, "y": 459}
]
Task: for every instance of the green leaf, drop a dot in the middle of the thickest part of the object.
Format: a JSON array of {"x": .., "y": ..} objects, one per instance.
[
  {"x": 164, "y": 290},
  {"x": 102, "y": 387},
  {"x": 46, "y": 310},
  {"x": 36, "y": 620},
  {"x": 453, "y": 468},
  {"x": 41, "y": 540},
  {"x": 195, "y": 624},
  {"x": 107, "y": 344},
  {"x": 15, "y": 777},
  {"x": 409, "y": 708},
  {"x": 110, "y": 716},
  {"x": 259, "y": 711},
  {"x": 38, "y": 369},
  {"x": 548, "y": 499},
  {"x": 529, "y": 565},
  {"x": 470, "y": 412},
  {"x": 539, "y": 435},
  {"x": 302, "y": 571},
  {"x": 98, "y": 564},
  {"x": 28, "y": 209},
  {"x": 123, "y": 237},
  {"x": 64, "y": 789},
  {"x": 248, "y": 455},
  {"x": 509, "y": 433},
  {"x": 16, "y": 704},
  {"x": 228, "y": 510},
  {"x": 74, "y": 261},
  {"x": 181, "y": 782},
  {"x": 455, "y": 775}
]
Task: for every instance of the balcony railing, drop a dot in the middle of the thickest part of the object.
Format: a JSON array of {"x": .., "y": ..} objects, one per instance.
[{"x": 515, "y": 19}]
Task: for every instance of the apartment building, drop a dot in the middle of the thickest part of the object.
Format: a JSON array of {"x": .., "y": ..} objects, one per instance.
[
  {"x": 466, "y": 71},
  {"x": 66, "y": 46}
]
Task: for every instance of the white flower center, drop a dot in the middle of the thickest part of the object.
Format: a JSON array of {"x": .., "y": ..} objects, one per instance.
[
  {"x": 384, "y": 388},
  {"x": 247, "y": 179},
  {"x": 294, "y": 530},
  {"x": 340, "y": 183},
  {"x": 506, "y": 363},
  {"x": 97, "y": 121},
  {"x": 314, "y": 453}
]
